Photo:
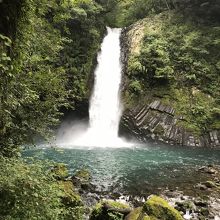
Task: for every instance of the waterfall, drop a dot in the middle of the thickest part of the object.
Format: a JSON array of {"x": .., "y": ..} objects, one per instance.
[{"x": 105, "y": 108}]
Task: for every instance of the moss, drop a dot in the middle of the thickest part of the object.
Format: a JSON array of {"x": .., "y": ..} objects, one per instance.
[
  {"x": 60, "y": 171},
  {"x": 83, "y": 175},
  {"x": 149, "y": 218},
  {"x": 133, "y": 215},
  {"x": 138, "y": 213},
  {"x": 98, "y": 213},
  {"x": 115, "y": 204},
  {"x": 209, "y": 184},
  {"x": 159, "y": 208},
  {"x": 70, "y": 197}
]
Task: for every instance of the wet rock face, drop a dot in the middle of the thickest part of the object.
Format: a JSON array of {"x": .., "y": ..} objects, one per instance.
[{"x": 159, "y": 122}]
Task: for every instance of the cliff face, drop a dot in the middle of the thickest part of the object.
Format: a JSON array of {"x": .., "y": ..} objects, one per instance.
[
  {"x": 166, "y": 107},
  {"x": 159, "y": 122}
]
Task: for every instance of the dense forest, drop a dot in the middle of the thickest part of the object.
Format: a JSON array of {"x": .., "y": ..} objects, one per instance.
[{"x": 48, "y": 50}]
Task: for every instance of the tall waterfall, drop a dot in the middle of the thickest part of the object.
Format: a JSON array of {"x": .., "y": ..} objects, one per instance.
[{"x": 105, "y": 109}]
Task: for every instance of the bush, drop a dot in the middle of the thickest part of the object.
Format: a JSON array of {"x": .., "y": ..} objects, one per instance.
[{"x": 29, "y": 191}]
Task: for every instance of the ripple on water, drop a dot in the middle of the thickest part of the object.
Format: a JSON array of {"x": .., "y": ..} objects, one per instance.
[{"x": 133, "y": 170}]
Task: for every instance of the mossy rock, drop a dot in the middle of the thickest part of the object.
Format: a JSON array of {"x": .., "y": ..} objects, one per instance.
[
  {"x": 185, "y": 205},
  {"x": 158, "y": 208},
  {"x": 99, "y": 213},
  {"x": 138, "y": 214},
  {"x": 210, "y": 184},
  {"x": 83, "y": 175},
  {"x": 81, "y": 179},
  {"x": 60, "y": 171},
  {"x": 134, "y": 214},
  {"x": 70, "y": 197}
]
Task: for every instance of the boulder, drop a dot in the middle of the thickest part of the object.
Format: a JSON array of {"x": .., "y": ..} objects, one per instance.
[
  {"x": 81, "y": 179},
  {"x": 158, "y": 208},
  {"x": 209, "y": 184},
  {"x": 137, "y": 214},
  {"x": 110, "y": 210},
  {"x": 183, "y": 206}
]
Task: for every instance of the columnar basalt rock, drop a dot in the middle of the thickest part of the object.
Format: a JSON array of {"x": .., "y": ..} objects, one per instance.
[{"x": 159, "y": 122}]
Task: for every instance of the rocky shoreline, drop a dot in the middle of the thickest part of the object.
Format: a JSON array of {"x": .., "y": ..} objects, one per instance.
[{"x": 166, "y": 204}]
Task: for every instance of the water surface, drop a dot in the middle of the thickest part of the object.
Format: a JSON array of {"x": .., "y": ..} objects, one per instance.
[{"x": 134, "y": 171}]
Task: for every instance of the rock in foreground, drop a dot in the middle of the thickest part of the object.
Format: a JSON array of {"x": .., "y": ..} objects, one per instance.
[{"x": 155, "y": 208}]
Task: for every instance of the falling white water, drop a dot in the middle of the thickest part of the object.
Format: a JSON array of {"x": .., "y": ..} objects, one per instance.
[{"x": 105, "y": 109}]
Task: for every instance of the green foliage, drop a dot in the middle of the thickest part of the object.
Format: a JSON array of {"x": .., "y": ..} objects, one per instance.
[
  {"x": 155, "y": 58},
  {"x": 160, "y": 209},
  {"x": 45, "y": 66},
  {"x": 85, "y": 29},
  {"x": 33, "y": 87},
  {"x": 29, "y": 191},
  {"x": 178, "y": 62},
  {"x": 5, "y": 73},
  {"x": 60, "y": 171},
  {"x": 126, "y": 12},
  {"x": 135, "y": 87},
  {"x": 166, "y": 54}
]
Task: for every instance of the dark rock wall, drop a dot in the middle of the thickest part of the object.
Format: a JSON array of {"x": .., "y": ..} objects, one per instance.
[{"x": 158, "y": 122}]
